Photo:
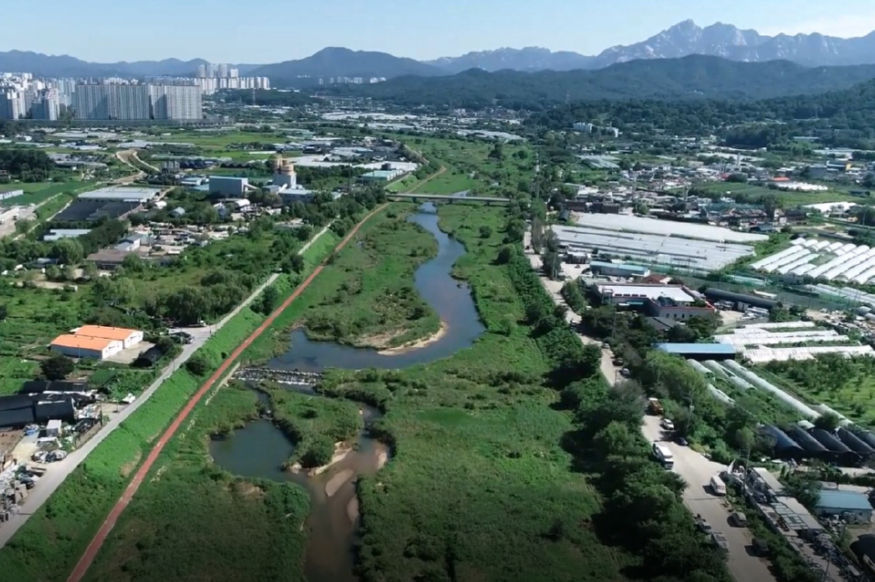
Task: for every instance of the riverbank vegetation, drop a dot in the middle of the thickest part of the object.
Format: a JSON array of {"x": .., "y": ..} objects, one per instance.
[
  {"x": 375, "y": 303},
  {"x": 48, "y": 545}
]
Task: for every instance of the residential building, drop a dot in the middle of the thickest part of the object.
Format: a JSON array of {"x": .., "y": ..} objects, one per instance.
[{"x": 176, "y": 102}]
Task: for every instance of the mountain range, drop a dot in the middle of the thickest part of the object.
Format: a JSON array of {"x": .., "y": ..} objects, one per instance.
[
  {"x": 690, "y": 77},
  {"x": 683, "y": 39}
]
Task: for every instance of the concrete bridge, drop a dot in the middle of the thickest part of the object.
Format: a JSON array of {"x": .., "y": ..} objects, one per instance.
[
  {"x": 450, "y": 199},
  {"x": 293, "y": 377}
]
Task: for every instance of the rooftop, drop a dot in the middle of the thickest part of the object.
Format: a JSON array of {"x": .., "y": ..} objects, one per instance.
[
  {"x": 684, "y": 348},
  {"x": 121, "y": 193},
  {"x": 674, "y": 292},
  {"x": 838, "y": 499},
  {"x": 104, "y": 332},
  {"x": 80, "y": 342}
]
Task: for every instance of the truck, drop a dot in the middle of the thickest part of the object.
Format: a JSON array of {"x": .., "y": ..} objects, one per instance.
[
  {"x": 663, "y": 454},
  {"x": 718, "y": 487},
  {"x": 654, "y": 406}
]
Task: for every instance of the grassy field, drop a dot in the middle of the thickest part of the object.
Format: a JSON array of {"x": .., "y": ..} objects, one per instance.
[
  {"x": 469, "y": 166},
  {"x": 48, "y": 545},
  {"x": 846, "y": 385},
  {"x": 788, "y": 199},
  {"x": 376, "y": 304},
  {"x": 37, "y": 192},
  {"x": 479, "y": 487}
]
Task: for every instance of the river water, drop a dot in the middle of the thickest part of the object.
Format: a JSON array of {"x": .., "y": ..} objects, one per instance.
[
  {"x": 450, "y": 298},
  {"x": 260, "y": 449}
]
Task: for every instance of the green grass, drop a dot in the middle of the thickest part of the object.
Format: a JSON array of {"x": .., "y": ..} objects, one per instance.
[
  {"x": 376, "y": 304},
  {"x": 48, "y": 545},
  {"x": 195, "y": 502},
  {"x": 477, "y": 483},
  {"x": 468, "y": 166},
  {"x": 38, "y": 192},
  {"x": 845, "y": 385}
]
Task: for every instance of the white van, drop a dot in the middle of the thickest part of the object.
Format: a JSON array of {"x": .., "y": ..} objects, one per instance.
[{"x": 718, "y": 487}]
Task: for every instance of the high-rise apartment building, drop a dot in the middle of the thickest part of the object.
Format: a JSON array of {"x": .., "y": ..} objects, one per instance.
[{"x": 176, "y": 101}]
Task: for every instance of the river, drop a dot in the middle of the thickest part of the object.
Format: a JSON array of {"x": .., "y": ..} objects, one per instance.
[
  {"x": 449, "y": 297},
  {"x": 260, "y": 448}
]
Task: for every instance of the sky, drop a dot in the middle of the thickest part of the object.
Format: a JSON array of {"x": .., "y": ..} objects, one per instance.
[{"x": 276, "y": 30}]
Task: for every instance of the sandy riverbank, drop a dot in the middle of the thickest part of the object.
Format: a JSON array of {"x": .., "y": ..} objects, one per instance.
[
  {"x": 341, "y": 450},
  {"x": 417, "y": 344}
]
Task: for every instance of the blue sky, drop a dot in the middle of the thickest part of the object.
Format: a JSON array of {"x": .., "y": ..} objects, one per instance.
[{"x": 276, "y": 30}]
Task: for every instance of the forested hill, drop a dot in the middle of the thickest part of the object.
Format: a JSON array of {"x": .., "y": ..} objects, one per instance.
[
  {"x": 845, "y": 117},
  {"x": 693, "y": 77}
]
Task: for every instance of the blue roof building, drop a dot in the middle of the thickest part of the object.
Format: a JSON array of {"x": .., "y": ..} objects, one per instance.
[{"x": 852, "y": 506}]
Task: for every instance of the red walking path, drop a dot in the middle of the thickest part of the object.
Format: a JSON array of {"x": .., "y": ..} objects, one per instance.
[{"x": 97, "y": 541}]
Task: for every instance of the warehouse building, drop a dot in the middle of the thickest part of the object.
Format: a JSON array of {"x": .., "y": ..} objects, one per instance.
[
  {"x": 618, "y": 269},
  {"x": 671, "y": 302},
  {"x": 851, "y": 506},
  {"x": 228, "y": 186},
  {"x": 85, "y": 347},
  {"x": 128, "y": 337}
]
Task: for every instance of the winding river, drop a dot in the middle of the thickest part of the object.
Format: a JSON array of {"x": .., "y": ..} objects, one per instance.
[
  {"x": 260, "y": 449},
  {"x": 450, "y": 298}
]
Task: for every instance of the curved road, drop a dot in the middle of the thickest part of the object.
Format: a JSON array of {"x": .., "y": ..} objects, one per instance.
[{"x": 97, "y": 541}]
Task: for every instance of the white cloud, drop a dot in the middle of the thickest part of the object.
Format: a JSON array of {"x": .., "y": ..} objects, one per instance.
[{"x": 841, "y": 25}]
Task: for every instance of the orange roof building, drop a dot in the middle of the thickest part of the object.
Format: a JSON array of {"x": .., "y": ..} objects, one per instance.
[
  {"x": 78, "y": 346},
  {"x": 128, "y": 337}
]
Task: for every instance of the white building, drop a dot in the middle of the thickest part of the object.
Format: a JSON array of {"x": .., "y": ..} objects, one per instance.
[{"x": 77, "y": 346}]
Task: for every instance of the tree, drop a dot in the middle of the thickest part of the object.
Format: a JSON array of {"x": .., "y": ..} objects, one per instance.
[
  {"x": 505, "y": 254},
  {"x": 828, "y": 421},
  {"x": 319, "y": 452},
  {"x": 68, "y": 251},
  {"x": 4, "y": 312},
  {"x": 485, "y": 232},
  {"x": 197, "y": 365},
  {"x": 186, "y": 306},
  {"x": 57, "y": 367},
  {"x": 771, "y": 204},
  {"x": 617, "y": 439},
  {"x": 744, "y": 439}
]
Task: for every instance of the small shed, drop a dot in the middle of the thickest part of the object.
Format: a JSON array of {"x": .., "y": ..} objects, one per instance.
[
  {"x": 54, "y": 428},
  {"x": 852, "y": 506}
]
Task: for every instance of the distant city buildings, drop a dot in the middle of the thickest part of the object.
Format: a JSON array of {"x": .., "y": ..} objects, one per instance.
[
  {"x": 212, "y": 77},
  {"x": 22, "y": 96}
]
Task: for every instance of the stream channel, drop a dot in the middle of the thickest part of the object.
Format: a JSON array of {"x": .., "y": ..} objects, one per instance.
[{"x": 260, "y": 448}]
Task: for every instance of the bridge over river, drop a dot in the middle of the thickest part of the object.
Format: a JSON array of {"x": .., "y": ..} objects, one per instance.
[{"x": 450, "y": 199}]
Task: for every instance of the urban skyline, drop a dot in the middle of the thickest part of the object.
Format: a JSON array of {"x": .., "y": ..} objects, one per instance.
[{"x": 225, "y": 33}]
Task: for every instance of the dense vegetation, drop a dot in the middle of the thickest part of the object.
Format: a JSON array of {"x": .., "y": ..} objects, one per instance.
[
  {"x": 844, "y": 117},
  {"x": 376, "y": 304},
  {"x": 26, "y": 164},
  {"x": 689, "y": 78}
]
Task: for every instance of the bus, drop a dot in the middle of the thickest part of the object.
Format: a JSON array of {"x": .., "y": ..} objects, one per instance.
[{"x": 663, "y": 454}]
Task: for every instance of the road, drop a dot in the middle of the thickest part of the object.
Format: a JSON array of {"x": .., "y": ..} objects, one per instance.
[
  {"x": 696, "y": 470},
  {"x": 59, "y": 471},
  {"x": 124, "y": 157},
  {"x": 127, "y": 495}
]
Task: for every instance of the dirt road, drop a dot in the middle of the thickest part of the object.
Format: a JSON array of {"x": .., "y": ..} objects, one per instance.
[{"x": 94, "y": 547}]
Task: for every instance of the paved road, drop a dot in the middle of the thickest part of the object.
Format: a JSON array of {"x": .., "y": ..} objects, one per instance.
[
  {"x": 59, "y": 471},
  {"x": 127, "y": 495},
  {"x": 696, "y": 470}
]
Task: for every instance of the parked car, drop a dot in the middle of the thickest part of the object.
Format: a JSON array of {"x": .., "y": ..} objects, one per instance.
[
  {"x": 56, "y": 455},
  {"x": 760, "y": 547},
  {"x": 738, "y": 519},
  {"x": 39, "y": 457},
  {"x": 719, "y": 540},
  {"x": 703, "y": 524},
  {"x": 667, "y": 424},
  {"x": 682, "y": 441}
]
